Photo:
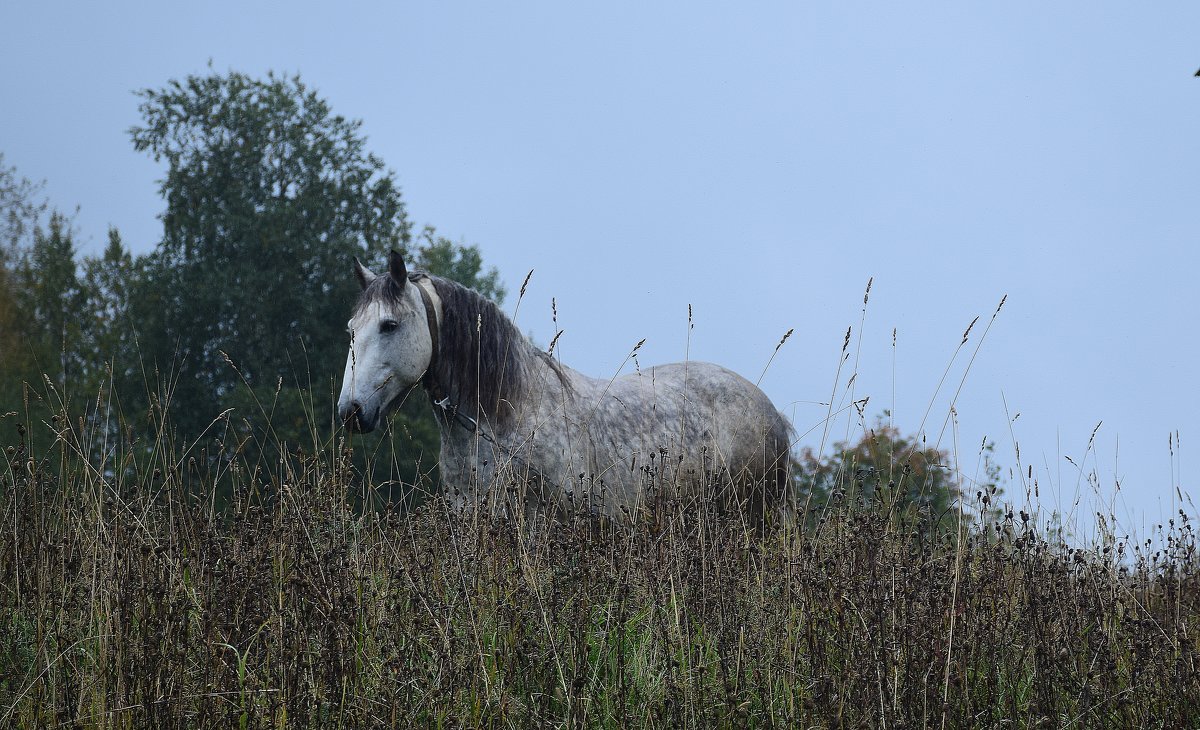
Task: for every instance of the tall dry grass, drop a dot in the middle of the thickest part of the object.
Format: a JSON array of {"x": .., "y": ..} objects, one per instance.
[{"x": 130, "y": 596}]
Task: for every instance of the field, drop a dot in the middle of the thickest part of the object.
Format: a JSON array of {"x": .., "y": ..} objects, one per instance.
[{"x": 131, "y": 596}]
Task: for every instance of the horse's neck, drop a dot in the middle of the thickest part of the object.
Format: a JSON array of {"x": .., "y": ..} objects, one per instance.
[
  {"x": 543, "y": 388},
  {"x": 487, "y": 369}
]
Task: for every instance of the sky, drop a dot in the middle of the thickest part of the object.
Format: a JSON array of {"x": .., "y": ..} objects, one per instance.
[{"x": 758, "y": 163}]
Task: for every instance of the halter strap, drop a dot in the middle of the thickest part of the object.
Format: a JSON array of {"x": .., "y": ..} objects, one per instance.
[{"x": 434, "y": 336}]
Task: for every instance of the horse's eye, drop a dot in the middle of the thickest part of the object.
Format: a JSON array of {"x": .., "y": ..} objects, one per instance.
[{"x": 388, "y": 325}]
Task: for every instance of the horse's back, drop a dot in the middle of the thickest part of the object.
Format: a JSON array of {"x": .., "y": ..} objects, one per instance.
[{"x": 705, "y": 413}]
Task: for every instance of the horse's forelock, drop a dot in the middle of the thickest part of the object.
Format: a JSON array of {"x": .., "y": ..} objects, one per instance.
[{"x": 383, "y": 290}]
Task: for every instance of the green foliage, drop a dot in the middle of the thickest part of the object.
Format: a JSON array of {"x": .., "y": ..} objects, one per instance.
[
  {"x": 270, "y": 196},
  {"x": 884, "y": 464},
  {"x": 242, "y": 305},
  {"x": 460, "y": 262},
  {"x": 50, "y": 296},
  {"x": 62, "y": 321},
  {"x": 21, "y": 207},
  {"x": 108, "y": 283},
  {"x": 12, "y": 360}
]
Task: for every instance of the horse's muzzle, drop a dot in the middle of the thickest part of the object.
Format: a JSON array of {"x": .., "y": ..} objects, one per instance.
[{"x": 355, "y": 419}]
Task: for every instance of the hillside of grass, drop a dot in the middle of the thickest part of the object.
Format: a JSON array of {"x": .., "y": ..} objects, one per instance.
[{"x": 131, "y": 596}]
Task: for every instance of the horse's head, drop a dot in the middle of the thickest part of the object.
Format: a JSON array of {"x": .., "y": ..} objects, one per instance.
[{"x": 391, "y": 345}]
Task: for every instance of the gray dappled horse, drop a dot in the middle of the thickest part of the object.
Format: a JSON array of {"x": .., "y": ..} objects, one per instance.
[{"x": 511, "y": 417}]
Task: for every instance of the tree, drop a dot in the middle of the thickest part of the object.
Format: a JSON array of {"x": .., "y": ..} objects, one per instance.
[
  {"x": 21, "y": 207},
  {"x": 460, "y": 262},
  {"x": 107, "y": 343},
  {"x": 107, "y": 285},
  {"x": 269, "y": 197},
  {"x": 50, "y": 297},
  {"x": 882, "y": 465}
]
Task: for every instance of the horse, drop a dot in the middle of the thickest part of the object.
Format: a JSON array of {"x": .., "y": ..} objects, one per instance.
[{"x": 521, "y": 431}]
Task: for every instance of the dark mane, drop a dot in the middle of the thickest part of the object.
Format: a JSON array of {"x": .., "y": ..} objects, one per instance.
[{"x": 484, "y": 361}]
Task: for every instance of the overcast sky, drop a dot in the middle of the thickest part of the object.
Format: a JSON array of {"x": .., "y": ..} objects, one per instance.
[{"x": 759, "y": 162}]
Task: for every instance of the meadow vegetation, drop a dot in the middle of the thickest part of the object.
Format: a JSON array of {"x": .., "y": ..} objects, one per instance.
[{"x": 129, "y": 597}]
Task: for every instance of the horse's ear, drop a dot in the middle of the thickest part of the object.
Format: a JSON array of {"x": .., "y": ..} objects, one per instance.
[
  {"x": 396, "y": 267},
  {"x": 363, "y": 274}
]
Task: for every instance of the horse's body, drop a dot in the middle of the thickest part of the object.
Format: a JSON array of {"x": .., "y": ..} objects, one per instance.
[{"x": 513, "y": 420}]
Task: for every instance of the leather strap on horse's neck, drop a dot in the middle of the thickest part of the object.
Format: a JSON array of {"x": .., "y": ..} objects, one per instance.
[{"x": 434, "y": 338}]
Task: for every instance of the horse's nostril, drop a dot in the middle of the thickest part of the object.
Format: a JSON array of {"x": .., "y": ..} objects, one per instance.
[
  {"x": 351, "y": 415},
  {"x": 356, "y": 419}
]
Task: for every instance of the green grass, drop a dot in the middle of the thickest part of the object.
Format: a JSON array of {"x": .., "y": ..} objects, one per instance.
[{"x": 128, "y": 599}]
